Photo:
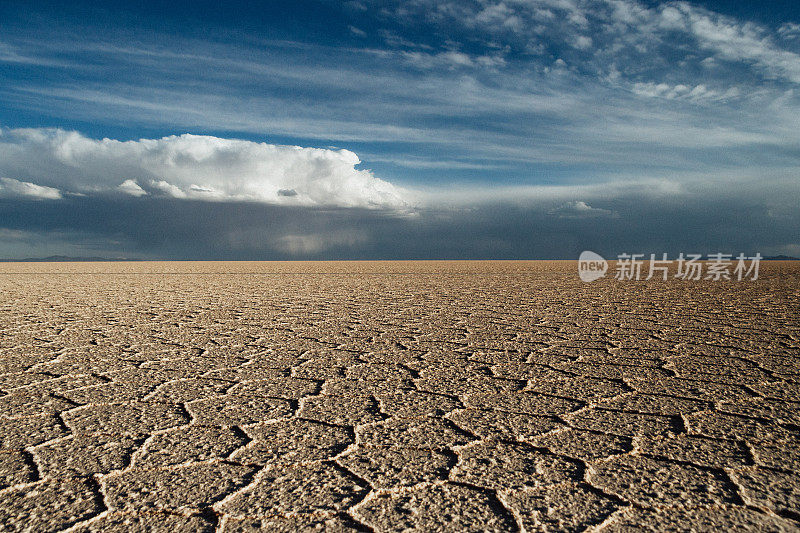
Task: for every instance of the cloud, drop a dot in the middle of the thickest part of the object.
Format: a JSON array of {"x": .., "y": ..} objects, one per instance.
[
  {"x": 583, "y": 42},
  {"x": 152, "y": 227},
  {"x": 697, "y": 93},
  {"x": 580, "y": 209},
  {"x": 10, "y": 187},
  {"x": 622, "y": 30},
  {"x": 10, "y": 54},
  {"x": 357, "y": 32},
  {"x": 736, "y": 41},
  {"x": 132, "y": 188},
  {"x": 789, "y": 30},
  {"x": 314, "y": 243},
  {"x": 168, "y": 188},
  {"x": 44, "y": 162},
  {"x": 452, "y": 59},
  {"x": 13, "y": 234}
]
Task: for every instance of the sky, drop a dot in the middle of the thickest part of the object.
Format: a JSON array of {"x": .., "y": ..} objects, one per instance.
[{"x": 420, "y": 129}]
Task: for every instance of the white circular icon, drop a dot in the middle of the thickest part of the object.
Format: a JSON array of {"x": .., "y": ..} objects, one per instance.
[{"x": 591, "y": 266}]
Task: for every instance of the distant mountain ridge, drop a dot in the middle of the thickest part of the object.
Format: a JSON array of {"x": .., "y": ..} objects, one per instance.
[{"x": 781, "y": 258}]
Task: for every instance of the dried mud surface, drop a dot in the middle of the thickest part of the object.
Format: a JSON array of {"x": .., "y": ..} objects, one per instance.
[{"x": 461, "y": 396}]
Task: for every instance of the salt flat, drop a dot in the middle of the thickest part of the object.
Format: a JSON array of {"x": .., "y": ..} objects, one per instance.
[{"x": 486, "y": 396}]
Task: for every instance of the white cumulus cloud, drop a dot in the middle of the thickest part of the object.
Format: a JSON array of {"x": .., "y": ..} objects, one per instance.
[
  {"x": 43, "y": 162},
  {"x": 580, "y": 209},
  {"x": 14, "y": 188},
  {"x": 132, "y": 188}
]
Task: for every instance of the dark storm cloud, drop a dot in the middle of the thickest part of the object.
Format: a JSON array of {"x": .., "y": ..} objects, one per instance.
[{"x": 189, "y": 229}]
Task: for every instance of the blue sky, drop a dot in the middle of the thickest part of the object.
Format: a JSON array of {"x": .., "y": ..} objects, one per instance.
[{"x": 479, "y": 129}]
